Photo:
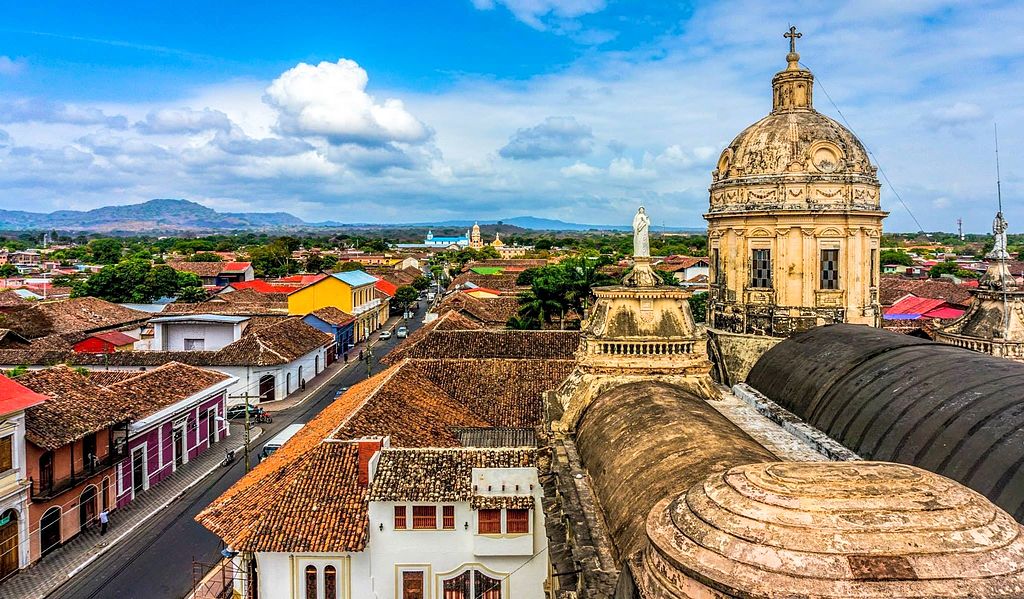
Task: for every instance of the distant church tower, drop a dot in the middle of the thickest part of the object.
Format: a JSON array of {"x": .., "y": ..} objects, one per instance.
[
  {"x": 475, "y": 241},
  {"x": 793, "y": 227}
]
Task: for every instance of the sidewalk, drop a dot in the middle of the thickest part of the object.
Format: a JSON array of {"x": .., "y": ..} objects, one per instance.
[
  {"x": 41, "y": 578},
  {"x": 327, "y": 375}
]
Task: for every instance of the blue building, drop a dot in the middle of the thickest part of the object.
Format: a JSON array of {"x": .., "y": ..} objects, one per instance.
[{"x": 334, "y": 322}]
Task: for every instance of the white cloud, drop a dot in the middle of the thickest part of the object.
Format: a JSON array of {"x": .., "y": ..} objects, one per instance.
[
  {"x": 555, "y": 137},
  {"x": 184, "y": 121},
  {"x": 10, "y": 66},
  {"x": 580, "y": 169},
  {"x": 330, "y": 100},
  {"x": 44, "y": 111},
  {"x": 536, "y": 12}
]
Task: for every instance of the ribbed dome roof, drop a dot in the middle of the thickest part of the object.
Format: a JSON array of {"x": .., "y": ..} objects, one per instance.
[
  {"x": 828, "y": 529},
  {"x": 794, "y": 141}
]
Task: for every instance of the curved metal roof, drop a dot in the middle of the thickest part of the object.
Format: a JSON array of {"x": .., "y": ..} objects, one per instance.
[{"x": 902, "y": 399}]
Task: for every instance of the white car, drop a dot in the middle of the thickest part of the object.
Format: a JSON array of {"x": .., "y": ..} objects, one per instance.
[
  {"x": 402, "y": 333},
  {"x": 385, "y": 335}
]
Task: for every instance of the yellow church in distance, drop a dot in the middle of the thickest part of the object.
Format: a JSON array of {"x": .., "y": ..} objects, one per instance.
[{"x": 794, "y": 227}]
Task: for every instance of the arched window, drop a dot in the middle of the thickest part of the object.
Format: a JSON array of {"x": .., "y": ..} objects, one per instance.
[
  {"x": 330, "y": 582},
  {"x": 49, "y": 530},
  {"x": 316, "y": 365},
  {"x": 300, "y": 375},
  {"x": 9, "y": 553},
  {"x": 288, "y": 383},
  {"x": 267, "y": 384},
  {"x": 311, "y": 582}
]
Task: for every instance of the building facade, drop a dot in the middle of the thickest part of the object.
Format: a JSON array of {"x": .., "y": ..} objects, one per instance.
[
  {"x": 14, "y": 478},
  {"x": 794, "y": 224}
]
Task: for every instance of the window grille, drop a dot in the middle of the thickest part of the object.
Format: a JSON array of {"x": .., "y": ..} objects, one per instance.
[
  {"x": 830, "y": 269},
  {"x": 761, "y": 269}
]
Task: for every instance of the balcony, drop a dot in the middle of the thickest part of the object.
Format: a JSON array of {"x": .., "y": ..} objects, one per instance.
[
  {"x": 370, "y": 305},
  {"x": 45, "y": 490}
]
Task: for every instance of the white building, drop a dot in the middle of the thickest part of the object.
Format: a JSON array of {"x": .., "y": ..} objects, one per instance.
[
  {"x": 192, "y": 332},
  {"x": 14, "y": 481}
]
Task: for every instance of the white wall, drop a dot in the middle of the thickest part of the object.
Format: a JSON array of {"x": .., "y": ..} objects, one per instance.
[
  {"x": 13, "y": 492},
  {"x": 170, "y": 336}
]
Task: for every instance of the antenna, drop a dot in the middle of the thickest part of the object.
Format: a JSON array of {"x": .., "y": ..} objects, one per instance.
[
  {"x": 999, "y": 186},
  {"x": 960, "y": 228}
]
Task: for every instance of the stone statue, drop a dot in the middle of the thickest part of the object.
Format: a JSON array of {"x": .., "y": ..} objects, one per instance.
[
  {"x": 999, "y": 227},
  {"x": 641, "y": 234}
]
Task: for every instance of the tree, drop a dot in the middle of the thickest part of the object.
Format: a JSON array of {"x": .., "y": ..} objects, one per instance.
[
  {"x": 204, "y": 257},
  {"x": 942, "y": 268},
  {"x": 420, "y": 283},
  {"x": 192, "y": 294},
  {"x": 106, "y": 251},
  {"x": 699, "y": 306},
  {"x": 8, "y": 270},
  {"x": 135, "y": 281},
  {"x": 896, "y": 257},
  {"x": 319, "y": 262},
  {"x": 348, "y": 266},
  {"x": 374, "y": 245},
  {"x": 273, "y": 259},
  {"x": 405, "y": 295}
]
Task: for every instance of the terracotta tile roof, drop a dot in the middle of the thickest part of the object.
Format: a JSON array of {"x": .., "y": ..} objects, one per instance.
[
  {"x": 109, "y": 377},
  {"x": 892, "y": 289},
  {"x": 280, "y": 342},
  {"x": 77, "y": 315},
  {"x": 516, "y": 265},
  {"x": 202, "y": 269},
  {"x": 454, "y": 321},
  {"x": 488, "y": 311},
  {"x": 235, "y": 267},
  {"x": 524, "y": 345},
  {"x": 333, "y": 316},
  {"x": 497, "y": 436},
  {"x": 150, "y": 391},
  {"x": 677, "y": 263},
  {"x": 497, "y": 502},
  {"x": 439, "y": 474},
  {"x": 10, "y": 299},
  {"x": 75, "y": 408},
  {"x": 260, "y": 286},
  {"x": 504, "y": 282},
  {"x": 115, "y": 337},
  {"x": 12, "y": 340}
]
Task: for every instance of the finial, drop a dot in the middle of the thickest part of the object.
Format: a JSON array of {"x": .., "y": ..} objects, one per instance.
[{"x": 792, "y": 58}]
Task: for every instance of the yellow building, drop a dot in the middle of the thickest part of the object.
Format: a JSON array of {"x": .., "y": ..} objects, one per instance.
[
  {"x": 353, "y": 292},
  {"x": 793, "y": 227},
  {"x": 475, "y": 241}
]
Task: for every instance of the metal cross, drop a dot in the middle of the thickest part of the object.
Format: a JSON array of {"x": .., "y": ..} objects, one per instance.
[{"x": 792, "y": 35}]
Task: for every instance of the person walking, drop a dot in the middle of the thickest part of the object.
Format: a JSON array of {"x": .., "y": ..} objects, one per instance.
[
  {"x": 346, "y": 357},
  {"x": 104, "y": 522}
]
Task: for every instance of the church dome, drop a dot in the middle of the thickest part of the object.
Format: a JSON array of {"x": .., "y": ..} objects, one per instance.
[
  {"x": 829, "y": 530},
  {"x": 796, "y": 146}
]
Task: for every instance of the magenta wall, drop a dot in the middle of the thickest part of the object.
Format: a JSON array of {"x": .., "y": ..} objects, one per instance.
[{"x": 196, "y": 443}]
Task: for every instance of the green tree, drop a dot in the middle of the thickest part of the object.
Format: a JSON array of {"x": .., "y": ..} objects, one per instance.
[
  {"x": 942, "y": 268},
  {"x": 318, "y": 262},
  {"x": 106, "y": 251},
  {"x": 405, "y": 295},
  {"x": 192, "y": 294},
  {"x": 889, "y": 256},
  {"x": 8, "y": 270},
  {"x": 348, "y": 266},
  {"x": 420, "y": 283},
  {"x": 699, "y": 306},
  {"x": 273, "y": 259},
  {"x": 135, "y": 281},
  {"x": 374, "y": 245},
  {"x": 204, "y": 257}
]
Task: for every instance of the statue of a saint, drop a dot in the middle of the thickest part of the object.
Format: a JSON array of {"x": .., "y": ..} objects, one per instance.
[
  {"x": 641, "y": 234},
  {"x": 999, "y": 227}
]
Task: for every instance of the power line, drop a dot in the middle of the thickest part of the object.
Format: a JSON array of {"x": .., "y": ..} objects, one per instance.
[{"x": 878, "y": 162}]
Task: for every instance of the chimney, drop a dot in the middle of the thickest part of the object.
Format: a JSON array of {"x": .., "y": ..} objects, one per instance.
[{"x": 367, "y": 449}]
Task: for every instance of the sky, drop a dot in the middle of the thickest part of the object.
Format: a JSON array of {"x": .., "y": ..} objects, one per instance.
[{"x": 579, "y": 110}]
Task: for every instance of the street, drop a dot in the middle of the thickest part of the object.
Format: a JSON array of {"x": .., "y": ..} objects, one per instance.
[{"x": 156, "y": 561}]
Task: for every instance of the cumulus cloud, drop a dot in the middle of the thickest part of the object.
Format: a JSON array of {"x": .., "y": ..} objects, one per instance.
[
  {"x": 184, "y": 121},
  {"x": 957, "y": 114},
  {"x": 236, "y": 142},
  {"x": 10, "y": 66},
  {"x": 581, "y": 170},
  {"x": 44, "y": 111},
  {"x": 536, "y": 12},
  {"x": 557, "y": 136},
  {"x": 329, "y": 100}
]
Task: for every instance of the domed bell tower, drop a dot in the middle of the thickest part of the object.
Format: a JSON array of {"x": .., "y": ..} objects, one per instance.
[{"x": 794, "y": 227}]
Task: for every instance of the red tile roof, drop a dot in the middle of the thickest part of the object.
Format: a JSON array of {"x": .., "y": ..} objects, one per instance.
[
  {"x": 235, "y": 266},
  {"x": 115, "y": 337},
  {"x": 15, "y": 397},
  {"x": 75, "y": 407},
  {"x": 386, "y": 287},
  {"x": 261, "y": 286}
]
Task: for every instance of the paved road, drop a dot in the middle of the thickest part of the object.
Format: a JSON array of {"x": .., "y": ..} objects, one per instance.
[{"x": 156, "y": 562}]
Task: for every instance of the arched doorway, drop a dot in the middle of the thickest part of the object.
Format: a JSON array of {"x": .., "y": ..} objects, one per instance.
[
  {"x": 8, "y": 543},
  {"x": 316, "y": 365},
  {"x": 49, "y": 530},
  {"x": 87, "y": 506},
  {"x": 287, "y": 383},
  {"x": 267, "y": 385},
  {"x": 300, "y": 376}
]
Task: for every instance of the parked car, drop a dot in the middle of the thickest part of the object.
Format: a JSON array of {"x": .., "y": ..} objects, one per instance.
[
  {"x": 280, "y": 439},
  {"x": 238, "y": 411},
  {"x": 402, "y": 332},
  {"x": 384, "y": 336}
]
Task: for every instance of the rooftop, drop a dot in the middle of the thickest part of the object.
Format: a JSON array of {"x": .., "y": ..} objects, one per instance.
[
  {"x": 355, "y": 278},
  {"x": 440, "y": 474},
  {"x": 75, "y": 407},
  {"x": 15, "y": 396},
  {"x": 76, "y": 315}
]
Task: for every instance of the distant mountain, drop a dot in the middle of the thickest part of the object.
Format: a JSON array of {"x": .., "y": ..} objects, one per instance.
[
  {"x": 151, "y": 216},
  {"x": 171, "y": 216}
]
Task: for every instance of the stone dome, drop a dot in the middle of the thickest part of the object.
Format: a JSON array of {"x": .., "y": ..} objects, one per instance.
[
  {"x": 789, "y": 142},
  {"x": 831, "y": 529}
]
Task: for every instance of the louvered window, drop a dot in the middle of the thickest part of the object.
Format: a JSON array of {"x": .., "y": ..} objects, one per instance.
[
  {"x": 400, "y": 523},
  {"x": 517, "y": 521},
  {"x": 448, "y": 517},
  {"x": 424, "y": 517},
  {"x": 489, "y": 522}
]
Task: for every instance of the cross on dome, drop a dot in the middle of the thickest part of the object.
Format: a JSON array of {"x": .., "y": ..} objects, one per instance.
[{"x": 793, "y": 35}]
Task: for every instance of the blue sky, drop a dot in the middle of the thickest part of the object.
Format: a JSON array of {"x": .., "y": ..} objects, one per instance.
[{"x": 572, "y": 109}]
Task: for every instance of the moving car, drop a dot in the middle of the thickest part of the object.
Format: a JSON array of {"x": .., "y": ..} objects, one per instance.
[
  {"x": 238, "y": 411},
  {"x": 280, "y": 439},
  {"x": 384, "y": 336},
  {"x": 402, "y": 333}
]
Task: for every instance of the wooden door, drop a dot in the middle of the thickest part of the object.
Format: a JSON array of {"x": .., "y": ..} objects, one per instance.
[
  {"x": 412, "y": 585},
  {"x": 138, "y": 470},
  {"x": 8, "y": 543},
  {"x": 87, "y": 507},
  {"x": 49, "y": 530},
  {"x": 179, "y": 448}
]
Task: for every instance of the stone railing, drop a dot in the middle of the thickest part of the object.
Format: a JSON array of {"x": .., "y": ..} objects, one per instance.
[
  {"x": 995, "y": 347},
  {"x": 641, "y": 348}
]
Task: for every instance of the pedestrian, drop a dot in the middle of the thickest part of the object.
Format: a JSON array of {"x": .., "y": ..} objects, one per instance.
[
  {"x": 360, "y": 355},
  {"x": 104, "y": 522},
  {"x": 346, "y": 357}
]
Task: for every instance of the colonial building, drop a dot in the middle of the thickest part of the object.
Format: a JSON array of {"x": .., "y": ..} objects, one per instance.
[
  {"x": 793, "y": 227},
  {"x": 475, "y": 240},
  {"x": 353, "y": 292},
  {"x": 15, "y": 483}
]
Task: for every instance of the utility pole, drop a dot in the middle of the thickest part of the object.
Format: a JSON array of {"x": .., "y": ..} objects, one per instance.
[{"x": 248, "y": 424}]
